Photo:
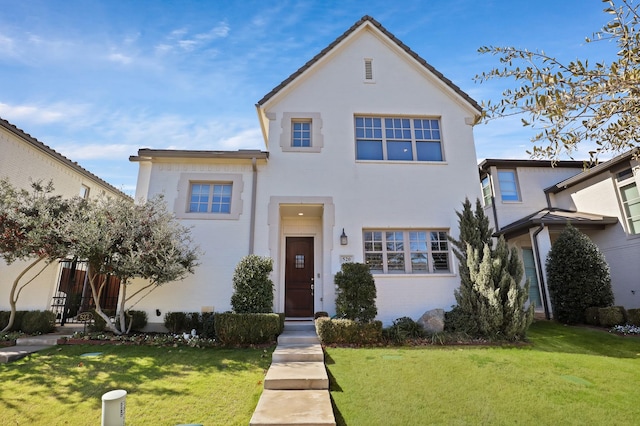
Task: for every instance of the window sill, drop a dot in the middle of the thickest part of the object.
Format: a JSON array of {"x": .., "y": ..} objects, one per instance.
[
  {"x": 421, "y": 275},
  {"x": 440, "y": 163}
]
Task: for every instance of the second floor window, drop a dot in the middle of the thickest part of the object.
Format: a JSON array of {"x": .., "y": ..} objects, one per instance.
[
  {"x": 508, "y": 185},
  {"x": 210, "y": 198},
  {"x": 630, "y": 197},
  {"x": 398, "y": 139},
  {"x": 486, "y": 190},
  {"x": 301, "y": 133}
]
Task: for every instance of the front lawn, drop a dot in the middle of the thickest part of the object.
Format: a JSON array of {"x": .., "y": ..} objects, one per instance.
[
  {"x": 568, "y": 375},
  {"x": 165, "y": 385}
]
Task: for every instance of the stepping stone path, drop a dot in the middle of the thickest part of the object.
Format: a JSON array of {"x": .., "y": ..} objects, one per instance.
[{"x": 296, "y": 387}]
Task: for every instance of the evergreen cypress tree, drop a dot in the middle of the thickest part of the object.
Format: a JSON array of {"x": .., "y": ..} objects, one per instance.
[{"x": 578, "y": 276}]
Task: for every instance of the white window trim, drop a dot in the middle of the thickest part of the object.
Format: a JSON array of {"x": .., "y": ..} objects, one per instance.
[
  {"x": 486, "y": 202},
  {"x": 181, "y": 207},
  {"x": 407, "y": 252},
  {"x": 317, "y": 139},
  {"x": 633, "y": 179}
]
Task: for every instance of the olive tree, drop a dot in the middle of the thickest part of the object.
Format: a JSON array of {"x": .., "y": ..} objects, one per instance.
[
  {"x": 580, "y": 101},
  {"x": 30, "y": 231},
  {"x": 127, "y": 240}
]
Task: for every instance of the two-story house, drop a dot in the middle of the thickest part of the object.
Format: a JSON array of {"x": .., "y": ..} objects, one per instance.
[
  {"x": 24, "y": 160},
  {"x": 368, "y": 153},
  {"x": 531, "y": 202}
]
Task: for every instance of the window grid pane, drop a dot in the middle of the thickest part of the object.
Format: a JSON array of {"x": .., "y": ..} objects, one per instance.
[
  {"x": 199, "y": 200},
  {"x": 406, "y": 252},
  {"x": 398, "y": 139},
  {"x": 210, "y": 198},
  {"x": 508, "y": 185},
  {"x": 631, "y": 203},
  {"x": 301, "y": 134}
]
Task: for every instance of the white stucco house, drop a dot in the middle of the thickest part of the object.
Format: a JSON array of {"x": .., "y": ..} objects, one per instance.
[
  {"x": 530, "y": 202},
  {"x": 23, "y": 160},
  {"x": 368, "y": 151}
]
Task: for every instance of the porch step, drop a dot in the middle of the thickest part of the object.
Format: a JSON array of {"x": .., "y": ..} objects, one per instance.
[
  {"x": 306, "y": 325},
  {"x": 297, "y": 376},
  {"x": 297, "y": 353},
  {"x": 294, "y": 407},
  {"x": 298, "y": 337}
]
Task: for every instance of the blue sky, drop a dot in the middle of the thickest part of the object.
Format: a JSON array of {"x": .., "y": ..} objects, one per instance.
[{"x": 97, "y": 80}]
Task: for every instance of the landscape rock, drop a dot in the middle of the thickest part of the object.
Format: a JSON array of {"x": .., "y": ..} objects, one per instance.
[{"x": 432, "y": 321}]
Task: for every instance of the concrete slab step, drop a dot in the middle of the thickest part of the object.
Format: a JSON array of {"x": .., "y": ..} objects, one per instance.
[
  {"x": 297, "y": 376},
  {"x": 46, "y": 339},
  {"x": 13, "y": 353},
  {"x": 298, "y": 353},
  {"x": 299, "y": 325},
  {"x": 298, "y": 337},
  {"x": 294, "y": 407}
]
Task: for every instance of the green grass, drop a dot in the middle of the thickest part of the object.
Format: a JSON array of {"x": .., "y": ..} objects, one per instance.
[
  {"x": 165, "y": 386},
  {"x": 567, "y": 375}
]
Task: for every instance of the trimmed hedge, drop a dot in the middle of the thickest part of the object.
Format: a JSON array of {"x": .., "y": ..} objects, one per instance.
[
  {"x": 633, "y": 316},
  {"x": 184, "y": 322},
  {"x": 612, "y": 315},
  {"x": 344, "y": 331},
  {"x": 17, "y": 323},
  {"x": 592, "y": 315},
  {"x": 30, "y": 322},
  {"x": 247, "y": 329}
]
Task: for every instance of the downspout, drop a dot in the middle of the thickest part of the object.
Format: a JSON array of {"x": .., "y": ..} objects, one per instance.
[
  {"x": 543, "y": 286},
  {"x": 252, "y": 226}
]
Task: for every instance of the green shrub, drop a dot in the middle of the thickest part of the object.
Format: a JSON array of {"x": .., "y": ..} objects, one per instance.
[
  {"x": 137, "y": 318},
  {"x": 320, "y": 314},
  {"x": 176, "y": 322},
  {"x": 402, "y": 329},
  {"x": 633, "y": 316},
  {"x": 612, "y": 315},
  {"x": 246, "y": 329},
  {"x": 207, "y": 328},
  {"x": 283, "y": 317},
  {"x": 4, "y": 320},
  {"x": 38, "y": 322},
  {"x": 355, "y": 293},
  {"x": 592, "y": 315},
  {"x": 345, "y": 331},
  {"x": 252, "y": 287},
  {"x": 578, "y": 276},
  {"x": 458, "y": 321}
]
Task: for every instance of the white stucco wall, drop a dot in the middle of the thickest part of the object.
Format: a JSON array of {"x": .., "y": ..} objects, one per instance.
[{"x": 366, "y": 194}]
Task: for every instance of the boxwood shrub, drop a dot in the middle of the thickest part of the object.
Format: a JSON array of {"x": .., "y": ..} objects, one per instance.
[
  {"x": 38, "y": 322},
  {"x": 592, "y": 315},
  {"x": 247, "y": 329},
  {"x": 633, "y": 316},
  {"x": 344, "y": 331},
  {"x": 4, "y": 320},
  {"x": 612, "y": 315}
]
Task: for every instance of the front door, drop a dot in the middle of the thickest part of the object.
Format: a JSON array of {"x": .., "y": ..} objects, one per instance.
[{"x": 298, "y": 277}]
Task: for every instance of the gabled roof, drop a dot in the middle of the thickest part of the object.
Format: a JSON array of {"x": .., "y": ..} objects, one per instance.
[
  {"x": 600, "y": 168},
  {"x": 556, "y": 216},
  {"x": 364, "y": 20},
  {"x": 51, "y": 153}
]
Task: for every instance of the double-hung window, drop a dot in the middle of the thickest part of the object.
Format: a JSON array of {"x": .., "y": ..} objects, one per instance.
[
  {"x": 406, "y": 251},
  {"x": 486, "y": 190},
  {"x": 210, "y": 197},
  {"x": 301, "y": 133},
  {"x": 398, "y": 139},
  {"x": 630, "y": 198},
  {"x": 508, "y": 185}
]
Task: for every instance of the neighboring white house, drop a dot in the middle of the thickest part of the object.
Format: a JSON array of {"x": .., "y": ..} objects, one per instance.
[
  {"x": 23, "y": 160},
  {"x": 530, "y": 203},
  {"x": 368, "y": 153}
]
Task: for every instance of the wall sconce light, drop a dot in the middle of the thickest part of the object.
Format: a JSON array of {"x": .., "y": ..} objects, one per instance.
[
  {"x": 158, "y": 313},
  {"x": 344, "y": 240}
]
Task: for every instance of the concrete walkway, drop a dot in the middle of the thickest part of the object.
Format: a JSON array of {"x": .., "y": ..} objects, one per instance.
[
  {"x": 28, "y": 345},
  {"x": 296, "y": 387}
]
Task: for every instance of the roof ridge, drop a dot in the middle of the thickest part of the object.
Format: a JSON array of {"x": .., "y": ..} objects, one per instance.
[{"x": 396, "y": 40}]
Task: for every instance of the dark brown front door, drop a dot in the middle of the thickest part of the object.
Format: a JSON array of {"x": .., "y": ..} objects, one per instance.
[{"x": 298, "y": 277}]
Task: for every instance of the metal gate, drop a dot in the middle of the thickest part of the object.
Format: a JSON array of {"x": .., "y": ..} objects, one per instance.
[{"x": 73, "y": 294}]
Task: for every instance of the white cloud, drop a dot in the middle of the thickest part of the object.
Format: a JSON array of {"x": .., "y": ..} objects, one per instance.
[
  {"x": 245, "y": 139},
  {"x": 7, "y": 45},
  {"x": 80, "y": 152},
  {"x": 42, "y": 114},
  {"x": 120, "y": 58}
]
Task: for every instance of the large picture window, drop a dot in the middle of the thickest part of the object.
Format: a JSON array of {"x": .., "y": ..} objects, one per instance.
[
  {"x": 210, "y": 198},
  {"x": 398, "y": 139},
  {"x": 406, "y": 251}
]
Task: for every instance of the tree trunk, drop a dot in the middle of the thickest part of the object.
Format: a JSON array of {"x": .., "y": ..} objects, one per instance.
[
  {"x": 123, "y": 323},
  {"x": 13, "y": 298},
  {"x": 96, "y": 293}
]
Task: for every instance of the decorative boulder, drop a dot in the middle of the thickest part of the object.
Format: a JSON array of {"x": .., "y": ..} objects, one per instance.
[{"x": 432, "y": 321}]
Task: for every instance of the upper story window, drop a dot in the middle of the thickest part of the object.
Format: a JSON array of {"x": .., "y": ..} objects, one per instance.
[
  {"x": 84, "y": 191},
  {"x": 210, "y": 198},
  {"x": 398, "y": 139},
  {"x": 486, "y": 190},
  {"x": 301, "y": 133},
  {"x": 406, "y": 251},
  {"x": 630, "y": 198},
  {"x": 508, "y": 185}
]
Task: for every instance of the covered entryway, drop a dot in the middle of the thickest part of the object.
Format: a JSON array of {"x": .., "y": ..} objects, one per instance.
[{"x": 299, "y": 282}]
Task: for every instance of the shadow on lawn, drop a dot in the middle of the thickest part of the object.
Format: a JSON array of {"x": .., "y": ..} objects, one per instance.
[
  {"x": 70, "y": 377},
  {"x": 550, "y": 336}
]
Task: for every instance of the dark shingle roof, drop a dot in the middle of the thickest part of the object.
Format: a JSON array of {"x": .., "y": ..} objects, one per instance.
[
  {"x": 35, "y": 143},
  {"x": 556, "y": 216},
  {"x": 403, "y": 46}
]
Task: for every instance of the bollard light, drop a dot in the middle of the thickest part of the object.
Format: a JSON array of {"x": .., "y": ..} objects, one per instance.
[{"x": 114, "y": 404}]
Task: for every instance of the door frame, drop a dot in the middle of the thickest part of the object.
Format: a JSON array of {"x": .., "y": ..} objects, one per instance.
[{"x": 311, "y": 240}]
